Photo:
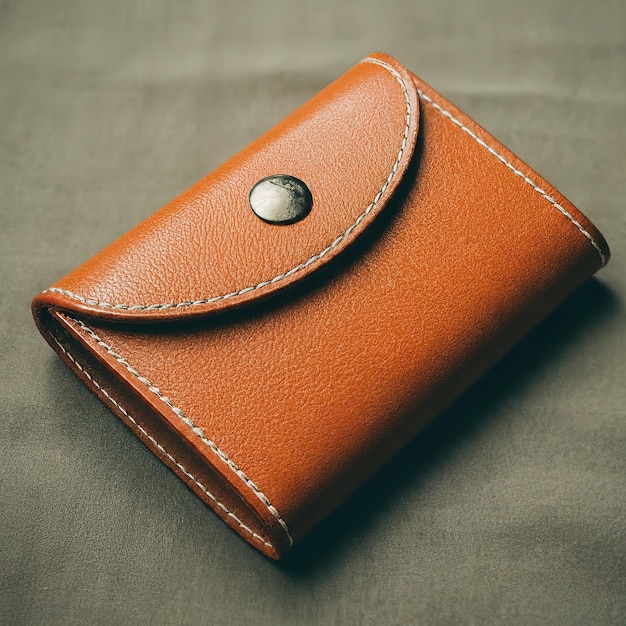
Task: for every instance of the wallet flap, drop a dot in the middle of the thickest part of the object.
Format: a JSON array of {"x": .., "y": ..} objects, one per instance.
[{"x": 208, "y": 251}]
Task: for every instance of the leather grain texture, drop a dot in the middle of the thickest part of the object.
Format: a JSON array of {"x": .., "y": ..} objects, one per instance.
[{"x": 274, "y": 369}]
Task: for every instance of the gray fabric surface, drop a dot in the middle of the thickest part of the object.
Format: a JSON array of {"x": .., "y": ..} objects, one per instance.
[{"x": 510, "y": 509}]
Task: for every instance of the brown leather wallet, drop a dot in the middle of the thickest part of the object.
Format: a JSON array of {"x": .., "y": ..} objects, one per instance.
[{"x": 281, "y": 329}]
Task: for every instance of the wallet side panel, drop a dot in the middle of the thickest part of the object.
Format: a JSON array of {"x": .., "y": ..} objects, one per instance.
[{"x": 101, "y": 370}]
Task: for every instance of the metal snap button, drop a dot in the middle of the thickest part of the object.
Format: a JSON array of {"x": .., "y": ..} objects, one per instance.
[{"x": 281, "y": 199}]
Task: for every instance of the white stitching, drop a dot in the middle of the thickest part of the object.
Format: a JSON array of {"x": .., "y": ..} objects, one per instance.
[
  {"x": 181, "y": 467},
  {"x": 517, "y": 172},
  {"x": 293, "y": 270},
  {"x": 187, "y": 421}
]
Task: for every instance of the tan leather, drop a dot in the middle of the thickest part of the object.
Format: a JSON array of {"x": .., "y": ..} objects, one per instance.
[{"x": 274, "y": 368}]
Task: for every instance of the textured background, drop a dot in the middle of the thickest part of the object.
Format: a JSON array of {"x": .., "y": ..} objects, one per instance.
[{"x": 510, "y": 509}]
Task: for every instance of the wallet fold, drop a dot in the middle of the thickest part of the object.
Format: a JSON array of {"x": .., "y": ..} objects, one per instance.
[{"x": 274, "y": 368}]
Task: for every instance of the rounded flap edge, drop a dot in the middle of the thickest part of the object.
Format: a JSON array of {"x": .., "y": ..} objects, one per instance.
[{"x": 208, "y": 251}]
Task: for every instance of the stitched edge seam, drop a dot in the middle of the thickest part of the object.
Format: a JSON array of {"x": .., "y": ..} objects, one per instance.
[
  {"x": 293, "y": 270},
  {"x": 195, "y": 429},
  {"x": 181, "y": 467},
  {"x": 517, "y": 172}
]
